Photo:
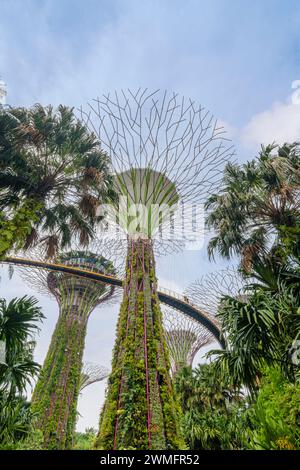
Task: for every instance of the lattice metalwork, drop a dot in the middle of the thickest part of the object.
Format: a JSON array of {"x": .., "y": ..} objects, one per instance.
[
  {"x": 92, "y": 373},
  {"x": 83, "y": 294},
  {"x": 184, "y": 336},
  {"x": 208, "y": 291},
  {"x": 165, "y": 149}
]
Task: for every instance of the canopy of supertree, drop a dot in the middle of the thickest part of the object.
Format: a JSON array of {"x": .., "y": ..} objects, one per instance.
[
  {"x": 83, "y": 294},
  {"x": 56, "y": 392},
  {"x": 105, "y": 257},
  {"x": 92, "y": 373},
  {"x": 167, "y": 155},
  {"x": 148, "y": 194},
  {"x": 184, "y": 337},
  {"x": 208, "y": 291}
]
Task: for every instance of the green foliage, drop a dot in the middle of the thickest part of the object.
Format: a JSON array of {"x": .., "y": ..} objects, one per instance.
[
  {"x": 214, "y": 429},
  {"x": 275, "y": 416},
  {"x": 14, "y": 230},
  {"x": 214, "y": 414},
  {"x": 256, "y": 200},
  {"x": 15, "y": 420},
  {"x": 53, "y": 176},
  {"x": 55, "y": 396},
  {"x": 33, "y": 441},
  {"x": 18, "y": 322},
  {"x": 85, "y": 441},
  {"x": 140, "y": 411},
  {"x": 262, "y": 328},
  {"x": 257, "y": 217}
]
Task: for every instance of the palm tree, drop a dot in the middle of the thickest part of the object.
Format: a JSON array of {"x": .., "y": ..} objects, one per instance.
[
  {"x": 53, "y": 177},
  {"x": 15, "y": 421},
  {"x": 261, "y": 328},
  {"x": 210, "y": 406},
  {"x": 185, "y": 386},
  {"x": 257, "y": 199},
  {"x": 18, "y": 322}
]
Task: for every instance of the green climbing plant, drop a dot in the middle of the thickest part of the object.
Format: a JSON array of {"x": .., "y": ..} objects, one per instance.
[
  {"x": 141, "y": 410},
  {"x": 56, "y": 393}
]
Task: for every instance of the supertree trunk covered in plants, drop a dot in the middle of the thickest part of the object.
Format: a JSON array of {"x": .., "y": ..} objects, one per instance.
[
  {"x": 167, "y": 154},
  {"x": 140, "y": 411},
  {"x": 56, "y": 393}
]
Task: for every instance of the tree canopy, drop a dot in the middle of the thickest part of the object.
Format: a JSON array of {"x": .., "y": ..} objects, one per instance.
[{"x": 53, "y": 177}]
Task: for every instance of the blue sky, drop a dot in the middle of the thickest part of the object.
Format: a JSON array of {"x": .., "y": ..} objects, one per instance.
[
  {"x": 234, "y": 56},
  {"x": 238, "y": 58}
]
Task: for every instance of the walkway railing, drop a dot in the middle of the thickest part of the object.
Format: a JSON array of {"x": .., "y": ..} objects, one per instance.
[
  {"x": 171, "y": 298},
  {"x": 183, "y": 298}
]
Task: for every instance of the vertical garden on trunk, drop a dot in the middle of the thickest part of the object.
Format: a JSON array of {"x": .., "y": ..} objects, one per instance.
[
  {"x": 56, "y": 393},
  {"x": 166, "y": 153},
  {"x": 140, "y": 411}
]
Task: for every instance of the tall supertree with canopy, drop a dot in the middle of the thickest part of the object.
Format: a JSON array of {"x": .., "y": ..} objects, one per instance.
[
  {"x": 208, "y": 291},
  {"x": 184, "y": 337},
  {"x": 56, "y": 392},
  {"x": 168, "y": 155}
]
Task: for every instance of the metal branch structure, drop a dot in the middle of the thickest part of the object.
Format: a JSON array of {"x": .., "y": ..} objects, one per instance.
[
  {"x": 56, "y": 392},
  {"x": 47, "y": 283},
  {"x": 184, "y": 337},
  {"x": 168, "y": 154},
  {"x": 92, "y": 373},
  {"x": 207, "y": 292}
]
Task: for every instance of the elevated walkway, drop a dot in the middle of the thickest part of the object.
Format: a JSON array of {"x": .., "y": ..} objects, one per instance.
[{"x": 166, "y": 296}]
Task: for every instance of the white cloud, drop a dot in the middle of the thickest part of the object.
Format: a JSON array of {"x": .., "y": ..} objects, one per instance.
[
  {"x": 230, "y": 131},
  {"x": 280, "y": 123},
  {"x": 169, "y": 284}
]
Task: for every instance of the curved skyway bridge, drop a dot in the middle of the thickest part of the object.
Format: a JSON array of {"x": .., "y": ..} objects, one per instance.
[{"x": 166, "y": 296}]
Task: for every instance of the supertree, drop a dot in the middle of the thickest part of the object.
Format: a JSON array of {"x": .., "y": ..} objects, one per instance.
[
  {"x": 56, "y": 392},
  {"x": 184, "y": 337},
  {"x": 92, "y": 373},
  {"x": 208, "y": 291},
  {"x": 168, "y": 155}
]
